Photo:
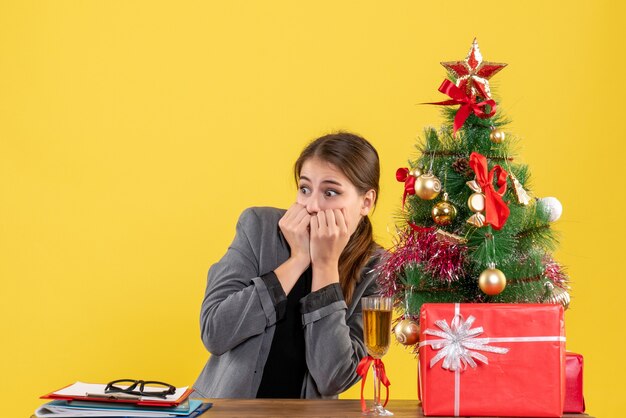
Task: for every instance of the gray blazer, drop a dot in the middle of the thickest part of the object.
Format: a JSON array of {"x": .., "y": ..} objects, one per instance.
[{"x": 238, "y": 317}]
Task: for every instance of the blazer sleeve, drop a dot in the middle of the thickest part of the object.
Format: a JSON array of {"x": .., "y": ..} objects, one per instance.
[
  {"x": 237, "y": 303},
  {"x": 334, "y": 339}
]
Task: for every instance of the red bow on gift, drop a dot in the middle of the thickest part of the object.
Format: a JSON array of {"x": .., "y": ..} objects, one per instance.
[
  {"x": 468, "y": 104},
  {"x": 379, "y": 367},
  {"x": 403, "y": 176},
  {"x": 496, "y": 209}
]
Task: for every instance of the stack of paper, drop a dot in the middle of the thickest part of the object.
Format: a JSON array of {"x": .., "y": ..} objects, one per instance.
[
  {"x": 90, "y": 400},
  {"x": 80, "y": 391}
]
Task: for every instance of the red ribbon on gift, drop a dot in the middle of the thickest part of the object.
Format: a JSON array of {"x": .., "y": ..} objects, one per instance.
[
  {"x": 496, "y": 209},
  {"x": 468, "y": 104},
  {"x": 403, "y": 176},
  {"x": 379, "y": 367}
]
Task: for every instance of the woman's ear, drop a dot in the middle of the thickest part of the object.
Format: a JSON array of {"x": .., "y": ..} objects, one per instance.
[{"x": 368, "y": 202}]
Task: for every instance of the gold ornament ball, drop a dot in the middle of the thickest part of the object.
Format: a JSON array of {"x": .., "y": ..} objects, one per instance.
[
  {"x": 427, "y": 186},
  {"x": 443, "y": 213},
  {"x": 407, "y": 332},
  {"x": 497, "y": 136},
  {"x": 476, "y": 202},
  {"x": 492, "y": 281}
]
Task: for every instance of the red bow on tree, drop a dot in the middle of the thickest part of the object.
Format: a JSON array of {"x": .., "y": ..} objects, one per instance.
[
  {"x": 468, "y": 104},
  {"x": 419, "y": 229},
  {"x": 379, "y": 367},
  {"x": 496, "y": 209},
  {"x": 403, "y": 176}
]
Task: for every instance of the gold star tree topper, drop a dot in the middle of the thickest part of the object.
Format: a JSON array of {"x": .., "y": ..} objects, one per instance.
[{"x": 472, "y": 73}]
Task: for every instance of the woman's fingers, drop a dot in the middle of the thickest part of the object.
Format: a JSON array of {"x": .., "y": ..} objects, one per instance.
[
  {"x": 294, "y": 227},
  {"x": 314, "y": 224},
  {"x": 303, "y": 224},
  {"x": 289, "y": 214},
  {"x": 331, "y": 222},
  {"x": 321, "y": 221},
  {"x": 299, "y": 215},
  {"x": 329, "y": 236},
  {"x": 293, "y": 216},
  {"x": 341, "y": 220}
]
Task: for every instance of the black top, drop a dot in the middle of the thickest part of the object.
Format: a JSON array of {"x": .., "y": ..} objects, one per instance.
[{"x": 286, "y": 362}]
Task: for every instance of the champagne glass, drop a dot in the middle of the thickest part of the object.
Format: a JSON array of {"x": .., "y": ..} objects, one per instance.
[{"x": 377, "y": 334}]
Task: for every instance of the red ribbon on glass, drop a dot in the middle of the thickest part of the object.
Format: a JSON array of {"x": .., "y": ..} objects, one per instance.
[
  {"x": 468, "y": 104},
  {"x": 403, "y": 176},
  {"x": 379, "y": 367},
  {"x": 496, "y": 209}
]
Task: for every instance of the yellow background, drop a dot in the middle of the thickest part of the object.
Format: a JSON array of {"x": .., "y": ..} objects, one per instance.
[{"x": 133, "y": 133}]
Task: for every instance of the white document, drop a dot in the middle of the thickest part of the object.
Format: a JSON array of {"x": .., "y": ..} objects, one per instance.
[{"x": 82, "y": 389}]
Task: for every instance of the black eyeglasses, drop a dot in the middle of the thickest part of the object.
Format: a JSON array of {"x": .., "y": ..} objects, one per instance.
[{"x": 140, "y": 388}]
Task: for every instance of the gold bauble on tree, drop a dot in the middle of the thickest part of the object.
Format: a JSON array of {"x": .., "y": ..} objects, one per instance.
[
  {"x": 443, "y": 212},
  {"x": 492, "y": 281},
  {"x": 427, "y": 186},
  {"x": 407, "y": 332},
  {"x": 497, "y": 136}
]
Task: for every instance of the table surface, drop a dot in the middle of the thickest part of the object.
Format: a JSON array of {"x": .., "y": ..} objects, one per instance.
[{"x": 311, "y": 408}]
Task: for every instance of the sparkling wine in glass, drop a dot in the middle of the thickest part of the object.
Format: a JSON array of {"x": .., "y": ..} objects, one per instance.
[{"x": 377, "y": 334}]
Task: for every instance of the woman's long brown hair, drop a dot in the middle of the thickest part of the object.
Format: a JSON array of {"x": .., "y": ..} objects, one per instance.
[{"x": 358, "y": 160}]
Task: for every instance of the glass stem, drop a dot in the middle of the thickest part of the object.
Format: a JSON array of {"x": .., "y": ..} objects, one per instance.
[{"x": 376, "y": 387}]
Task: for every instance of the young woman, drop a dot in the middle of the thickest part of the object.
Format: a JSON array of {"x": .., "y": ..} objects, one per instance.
[{"x": 281, "y": 315}]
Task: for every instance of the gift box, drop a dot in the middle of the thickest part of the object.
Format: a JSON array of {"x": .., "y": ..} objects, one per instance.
[
  {"x": 574, "y": 400},
  {"x": 492, "y": 359}
]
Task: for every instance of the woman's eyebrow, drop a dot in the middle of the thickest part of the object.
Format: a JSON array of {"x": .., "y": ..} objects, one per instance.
[{"x": 331, "y": 181}]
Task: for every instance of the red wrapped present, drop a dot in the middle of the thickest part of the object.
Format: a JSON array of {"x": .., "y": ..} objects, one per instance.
[
  {"x": 492, "y": 359},
  {"x": 574, "y": 400}
]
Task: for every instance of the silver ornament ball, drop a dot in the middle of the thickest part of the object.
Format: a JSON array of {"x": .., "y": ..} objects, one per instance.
[{"x": 552, "y": 206}]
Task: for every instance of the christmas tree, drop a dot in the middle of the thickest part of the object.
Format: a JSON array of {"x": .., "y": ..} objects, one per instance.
[{"x": 470, "y": 229}]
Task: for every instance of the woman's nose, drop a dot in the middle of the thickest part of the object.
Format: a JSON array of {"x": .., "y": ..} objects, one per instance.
[{"x": 312, "y": 205}]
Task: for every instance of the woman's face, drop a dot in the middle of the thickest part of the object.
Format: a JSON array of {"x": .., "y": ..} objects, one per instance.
[{"x": 323, "y": 186}]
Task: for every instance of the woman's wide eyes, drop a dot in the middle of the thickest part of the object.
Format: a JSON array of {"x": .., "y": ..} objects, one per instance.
[{"x": 327, "y": 193}]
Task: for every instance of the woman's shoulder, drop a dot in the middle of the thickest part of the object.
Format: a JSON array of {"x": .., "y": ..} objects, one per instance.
[
  {"x": 263, "y": 214},
  {"x": 260, "y": 227},
  {"x": 260, "y": 220}
]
